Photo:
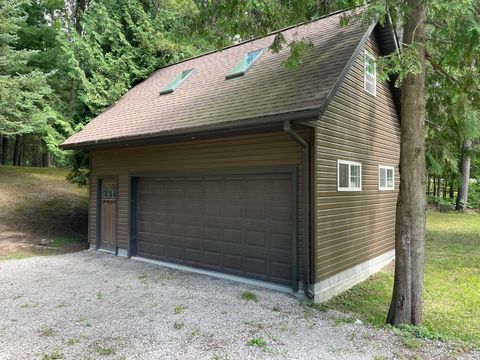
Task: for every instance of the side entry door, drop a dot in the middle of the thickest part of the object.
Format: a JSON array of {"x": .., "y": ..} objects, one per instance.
[{"x": 108, "y": 215}]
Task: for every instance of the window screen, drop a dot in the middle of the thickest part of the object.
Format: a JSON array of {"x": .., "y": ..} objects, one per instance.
[
  {"x": 386, "y": 180},
  {"x": 349, "y": 176},
  {"x": 370, "y": 74},
  {"x": 343, "y": 175}
]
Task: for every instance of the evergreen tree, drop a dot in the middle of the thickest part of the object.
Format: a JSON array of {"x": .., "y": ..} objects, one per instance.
[{"x": 22, "y": 90}]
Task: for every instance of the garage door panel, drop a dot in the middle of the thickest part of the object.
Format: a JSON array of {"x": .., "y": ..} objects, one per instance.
[
  {"x": 161, "y": 250},
  {"x": 280, "y": 270},
  {"x": 238, "y": 224},
  {"x": 193, "y": 255},
  {"x": 212, "y": 233},
  {"x": 256, "y": 239},
  {"x": 258, "y": 267},
  {"x": 194, "y": 230},
  {"x": 213, "y": 258},
  {"x": 175, "y": 252},
  {"x": 280, "y": 242}
]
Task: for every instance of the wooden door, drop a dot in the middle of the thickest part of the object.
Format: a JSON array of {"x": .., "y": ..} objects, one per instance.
[{"x": 108, "y": 221}]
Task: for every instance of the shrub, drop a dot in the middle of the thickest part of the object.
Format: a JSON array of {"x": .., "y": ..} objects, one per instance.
[
  {"x": 441, "y": 204},
  {"x": 474, "y": 195}
]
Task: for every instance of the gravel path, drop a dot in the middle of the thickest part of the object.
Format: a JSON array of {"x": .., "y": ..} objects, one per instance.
[{"x": 89, "y": 305}]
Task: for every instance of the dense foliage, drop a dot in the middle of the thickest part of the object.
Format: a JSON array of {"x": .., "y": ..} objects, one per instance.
[{"x": 64, "y": 62}]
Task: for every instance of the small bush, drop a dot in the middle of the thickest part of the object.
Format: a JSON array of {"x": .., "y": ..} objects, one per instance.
[
  {"x": 47, "y": 331},
  {"x": 105, "y": 351},
  {"x": 474, "y": 196},
  {"x": 257, "y": 342},
  {"x": 419, "y": 332},
  {"x": 53, "y": 356},
  {"x": 441, "y": 204},
  {"x": 249, "y": 296},
  {"x": 179, "y": 309}
]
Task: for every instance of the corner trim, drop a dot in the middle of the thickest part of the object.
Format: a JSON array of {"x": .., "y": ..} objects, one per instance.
[{"x": 122, "y": 252}]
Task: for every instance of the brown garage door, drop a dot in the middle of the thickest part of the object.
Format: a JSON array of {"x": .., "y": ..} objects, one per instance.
[{"x": 237, "y": 224}]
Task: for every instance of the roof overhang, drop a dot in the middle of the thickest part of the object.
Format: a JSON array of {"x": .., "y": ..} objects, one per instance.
[{"x": 228, "y": 128}]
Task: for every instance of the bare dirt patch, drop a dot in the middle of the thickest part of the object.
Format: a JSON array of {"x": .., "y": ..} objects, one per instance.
[{"x": 40, "y": 213}]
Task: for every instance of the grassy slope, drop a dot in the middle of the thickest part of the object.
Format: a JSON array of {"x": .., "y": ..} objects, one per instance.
[
  {"x": 39, "y": 203},
  {"x": 452, "y": 281}
]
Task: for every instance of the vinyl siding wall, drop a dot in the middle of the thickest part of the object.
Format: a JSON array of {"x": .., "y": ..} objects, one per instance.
[
  {"x": 248, "y": 151},
  {"x": 353, "y": 227}
]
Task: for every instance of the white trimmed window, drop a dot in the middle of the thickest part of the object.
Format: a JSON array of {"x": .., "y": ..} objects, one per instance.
[
  {"x": 370, "y": 74},
  {"x": 386, "y": 177},
  {"x": 349, "y": 176}
]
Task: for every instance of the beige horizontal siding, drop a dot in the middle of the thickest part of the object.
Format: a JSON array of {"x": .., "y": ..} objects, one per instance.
[
  {"x": 240, "y": 152},
  {"x": 353, "y": 227}
]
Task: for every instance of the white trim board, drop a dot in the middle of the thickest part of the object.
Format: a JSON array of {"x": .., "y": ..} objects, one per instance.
[
  {"x": 326, "y": 289},
  {"x": 216, "y": 274},
  {"x": 122, "y": 252}
]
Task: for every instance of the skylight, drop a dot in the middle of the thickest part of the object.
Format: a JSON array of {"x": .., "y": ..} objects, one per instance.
[
  {"x": 245, "y": 64},
  {"x": 176, "y": 82}
]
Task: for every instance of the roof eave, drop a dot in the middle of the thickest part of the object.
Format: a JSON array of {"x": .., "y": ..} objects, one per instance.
[{"x": 181, "y": 134}]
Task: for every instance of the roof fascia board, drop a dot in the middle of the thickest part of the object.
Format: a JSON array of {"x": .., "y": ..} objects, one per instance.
[{"x": 182, "y": 134}]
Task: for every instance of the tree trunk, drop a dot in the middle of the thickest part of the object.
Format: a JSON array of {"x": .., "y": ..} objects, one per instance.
[
  {"x": 439, "y": 187},
  {"x": 1, "y": 149},
  {"x": 434, "y": 185},
  {"x": 4, "y": 150},
  {"x": 80, "y": 8},
  {"x": 407, "y": 304},
  {"x": 444, "y": 190},
  {"x": 451, "y": 189},
  {"x": 18, "y": 151},
  {"x": 462, "y": 197}
]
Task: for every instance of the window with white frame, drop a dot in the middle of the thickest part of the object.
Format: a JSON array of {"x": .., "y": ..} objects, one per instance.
[
  {"x": 349, "y": 176},
  {"x": 370, "y": 74},
  {"x": 386, "y": 177}
]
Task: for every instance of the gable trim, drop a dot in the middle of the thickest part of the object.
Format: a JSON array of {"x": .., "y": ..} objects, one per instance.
[{"x": 346, "y": 69}]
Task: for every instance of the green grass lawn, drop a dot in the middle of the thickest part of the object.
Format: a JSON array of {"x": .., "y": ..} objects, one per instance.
[{"x": 452, "y": 282}]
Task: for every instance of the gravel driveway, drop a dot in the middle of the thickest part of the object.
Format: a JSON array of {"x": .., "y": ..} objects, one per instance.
[{"x": 89, "y": 305}]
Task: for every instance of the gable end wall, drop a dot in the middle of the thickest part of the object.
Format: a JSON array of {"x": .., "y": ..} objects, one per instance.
[{"x": 354, "y": 229}]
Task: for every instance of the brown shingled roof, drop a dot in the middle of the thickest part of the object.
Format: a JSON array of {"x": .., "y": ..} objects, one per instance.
[{"x": 207, "y": 100}]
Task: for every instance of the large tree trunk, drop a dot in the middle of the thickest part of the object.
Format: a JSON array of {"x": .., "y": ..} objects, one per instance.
[
  {"x": 18, "y": 151},
  {"x": 4, "y": 150},
  {"x": 407, "y": 304},
  {"x": 462, "y": 197}
]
